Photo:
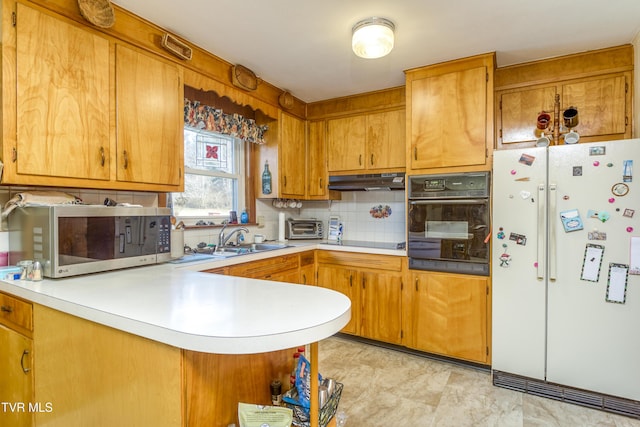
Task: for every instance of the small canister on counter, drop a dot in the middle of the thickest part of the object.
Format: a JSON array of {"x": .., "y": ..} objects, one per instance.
[{"x": 26, "y": 266}]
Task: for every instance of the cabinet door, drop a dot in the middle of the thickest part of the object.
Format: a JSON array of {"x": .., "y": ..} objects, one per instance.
[
  {"x": 450, "y": 315},
  {"x": 601, "y": 105},
  {"x": 449, "y": 119},
  {"x": 381, "y": 306},
  {"x": 519, "y": 110},
  {"x": 16, "y": 385},
  {"x": 386, "y": 140},
  {"x": 292, "y": 156},
  {"x": 317, "y": 175},
  {"x": 62, "y": 98},
  {"x": 345, "y": 281},
  {"x": 150, "y": 119},
  {"x": 346, "y": 143}
]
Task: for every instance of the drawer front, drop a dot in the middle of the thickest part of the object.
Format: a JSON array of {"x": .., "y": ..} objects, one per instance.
[
  {"x": 16, "y": 313},
  {"x": 361, "y": 260},
  {"x": 265, "y": 268}
]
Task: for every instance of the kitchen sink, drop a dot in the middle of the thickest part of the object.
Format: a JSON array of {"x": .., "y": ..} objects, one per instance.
[
  {"x": 260, "y": 247},
  {"x": 229, "y": 251}
]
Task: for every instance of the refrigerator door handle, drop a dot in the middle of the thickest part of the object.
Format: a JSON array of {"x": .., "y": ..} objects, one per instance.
[
  {"x": 541, "y": 232},
  {"x": 552, "y": 232}
]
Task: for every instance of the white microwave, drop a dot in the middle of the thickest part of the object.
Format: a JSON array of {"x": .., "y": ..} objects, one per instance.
[{"x": 71, "y": 240}]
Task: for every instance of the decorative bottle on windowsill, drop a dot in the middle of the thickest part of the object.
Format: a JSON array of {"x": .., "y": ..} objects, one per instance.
[{"x": 266, "y": 179}]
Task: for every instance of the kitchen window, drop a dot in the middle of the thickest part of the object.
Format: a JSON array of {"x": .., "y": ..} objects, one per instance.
[{"x": 213, "y": 179}]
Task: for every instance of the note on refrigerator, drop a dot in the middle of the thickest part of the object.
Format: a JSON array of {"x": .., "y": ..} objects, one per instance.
[
  {"x": 617, "y": 286},
  {"x": 591, "y": 263}
]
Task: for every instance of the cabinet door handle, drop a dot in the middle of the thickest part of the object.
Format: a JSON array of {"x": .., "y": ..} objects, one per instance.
[
  {"x": 372, "y": 160},
  {"x": 126, "y": 159},
  {"x": 416, "y": 284},
  {"x": 363, "y": 283},
  {"x": 360, "y": 160},
  {"x": 304, "y": 279},
  {"x": 24, "y": 369},
  {"x": 415, "y": 153},
  {"x": 321, "y": 183},
  {"x": 7, "y": 309},
  {"x": 350, "y": 281},
  {"x": 102, "y": 158},
  {"x": 285, "y": 181}
]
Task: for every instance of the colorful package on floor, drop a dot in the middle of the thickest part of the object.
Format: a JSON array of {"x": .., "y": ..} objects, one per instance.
[{"x": 303, "y": 383}]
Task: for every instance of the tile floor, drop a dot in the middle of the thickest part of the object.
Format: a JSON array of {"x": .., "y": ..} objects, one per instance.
[{"x": 385, "y": 388}]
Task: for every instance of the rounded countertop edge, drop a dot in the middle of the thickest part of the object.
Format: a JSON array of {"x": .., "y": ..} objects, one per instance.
[{"x": 279, "y": 338}]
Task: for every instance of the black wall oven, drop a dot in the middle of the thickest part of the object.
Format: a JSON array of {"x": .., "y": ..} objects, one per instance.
[{"x": 449, "y": 223}]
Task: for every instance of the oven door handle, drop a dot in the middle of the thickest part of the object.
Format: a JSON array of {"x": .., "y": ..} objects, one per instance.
[{"x": 450, "y": 202}]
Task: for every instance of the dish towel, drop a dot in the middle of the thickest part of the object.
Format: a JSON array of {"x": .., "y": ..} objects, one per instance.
[{"x": 39, "y": 198}]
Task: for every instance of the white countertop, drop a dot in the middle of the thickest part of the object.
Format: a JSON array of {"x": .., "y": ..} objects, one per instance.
[{"x": 178, "y": 305}]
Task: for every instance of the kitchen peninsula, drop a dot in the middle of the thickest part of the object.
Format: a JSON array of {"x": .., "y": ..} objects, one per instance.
[{"x": 161, "y": 345}]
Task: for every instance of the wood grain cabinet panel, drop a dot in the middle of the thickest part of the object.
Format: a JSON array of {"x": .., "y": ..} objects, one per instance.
[
  {"x": 450, "y": 315},
  {"x": 601, "y": 102},
  {"x": 62, "y": 98},
  {"x": 599, "y": 84},
  {"x": 374, "y": 284},
  {"x": 16, "y": 386},
  {"x": 149, "y": 120},
  {"x": 292, "y": 151},
  {"x": 346, "y": 138},
  {"x": 450, "y": 114}
]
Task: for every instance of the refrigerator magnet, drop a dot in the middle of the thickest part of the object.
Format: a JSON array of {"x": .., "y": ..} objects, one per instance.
[
  {"x": 571, "y": 220},
  {"x": 617, "y": 284},
  {"x": 592, "y": 262},
  {"x": 627, "y": 171}
]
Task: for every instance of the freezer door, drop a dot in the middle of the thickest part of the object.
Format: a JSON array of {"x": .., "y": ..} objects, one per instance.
[
  {"x": 594, "y": 344},
  {"x": 518, "y": 265}
]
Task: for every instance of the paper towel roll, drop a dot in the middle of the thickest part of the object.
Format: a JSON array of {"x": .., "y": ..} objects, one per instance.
[{"x": 281, "y": 226}]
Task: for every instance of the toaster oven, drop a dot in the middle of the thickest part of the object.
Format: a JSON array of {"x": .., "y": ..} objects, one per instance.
[{"x": 299, "y": 229}]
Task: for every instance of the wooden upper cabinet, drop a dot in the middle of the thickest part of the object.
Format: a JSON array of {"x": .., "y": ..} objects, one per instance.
[
  {"x": 450, "y": 114},
  {"x": 597, "y": 83},
  {"x": 367, "y": 142},
  {"x": 292, "y": 154},
  {"x": 601, "y": 103},
  {"x": 317, "y": 176},
  {"x": 386, "y": 140},
  {"x": 62, "y": 100},
  {"x": 519, "y": 111},
  {"x": 346, "y": 143},
  {"x": 149, "y": 97}
]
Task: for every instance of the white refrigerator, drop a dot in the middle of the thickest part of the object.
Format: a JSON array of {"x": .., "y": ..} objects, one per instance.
[{"x": 566, "y": 259}]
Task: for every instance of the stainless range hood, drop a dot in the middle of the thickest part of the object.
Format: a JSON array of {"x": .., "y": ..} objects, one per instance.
[{"x": 368, "y": 182}]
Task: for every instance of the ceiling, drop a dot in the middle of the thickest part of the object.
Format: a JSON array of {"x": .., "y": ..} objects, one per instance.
[{"x": 305, "y": 46}]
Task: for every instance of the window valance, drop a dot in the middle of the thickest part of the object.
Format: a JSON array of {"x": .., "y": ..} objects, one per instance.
[{"x": 209, "y": 118}]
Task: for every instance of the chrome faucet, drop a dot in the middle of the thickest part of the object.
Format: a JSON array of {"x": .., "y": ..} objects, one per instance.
[{"x": 223, "y": 239}]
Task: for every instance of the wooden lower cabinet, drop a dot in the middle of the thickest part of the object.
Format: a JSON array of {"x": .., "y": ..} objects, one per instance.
[
  {"x": 93, "y": 375},
  {"x": 16, "y": 386},
  {"x": 295, "y": 268},
  {"x": 374, "y": 285},
  {"x": 449, "y": 315},
  {"x": 343, "y": 280},
  {"x": 16, "y": 362}
]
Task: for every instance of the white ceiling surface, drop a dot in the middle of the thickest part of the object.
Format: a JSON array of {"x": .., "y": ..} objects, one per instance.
[{"x": 304, "y": 46}]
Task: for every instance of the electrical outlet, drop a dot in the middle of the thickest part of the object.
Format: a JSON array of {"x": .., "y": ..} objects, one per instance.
[{"x": 260, "y": 221}]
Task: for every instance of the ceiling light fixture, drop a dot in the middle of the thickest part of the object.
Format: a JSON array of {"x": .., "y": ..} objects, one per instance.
[{"x": 372, "y": 38}]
